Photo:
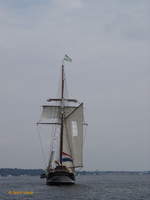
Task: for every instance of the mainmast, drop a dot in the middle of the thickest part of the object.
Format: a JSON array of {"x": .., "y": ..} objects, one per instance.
[
  {"x": 62, "y": 100},
  {"x": 62, "y": 114}
]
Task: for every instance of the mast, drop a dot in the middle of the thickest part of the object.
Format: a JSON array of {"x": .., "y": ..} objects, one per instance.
[{"x": 62, "y": 114}]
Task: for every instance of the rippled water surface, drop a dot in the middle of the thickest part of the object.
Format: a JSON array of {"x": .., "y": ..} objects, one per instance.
[{"x": 91, "y": 187}]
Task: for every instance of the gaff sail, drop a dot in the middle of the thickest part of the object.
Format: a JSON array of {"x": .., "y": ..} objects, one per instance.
[{"x": 73, "y": 136}]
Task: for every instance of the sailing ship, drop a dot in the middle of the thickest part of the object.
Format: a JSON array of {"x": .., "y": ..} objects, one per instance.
[{"x": 67, "y": 117}]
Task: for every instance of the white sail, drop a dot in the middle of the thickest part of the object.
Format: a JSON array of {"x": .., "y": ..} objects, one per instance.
[
  {"x": 51, "y": 114},
  {"x": 67, "y": 150},
  {"x": 73, "y": 136}
]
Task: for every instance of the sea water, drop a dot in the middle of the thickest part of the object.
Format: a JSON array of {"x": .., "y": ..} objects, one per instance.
[{"x": 88, "y": 187}]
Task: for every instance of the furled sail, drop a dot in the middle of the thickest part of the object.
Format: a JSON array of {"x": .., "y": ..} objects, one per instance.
[{"x": 73, "y": 137}]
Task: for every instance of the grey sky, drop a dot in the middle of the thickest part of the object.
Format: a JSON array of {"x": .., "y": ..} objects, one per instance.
[{"x": 109, "y": 42}]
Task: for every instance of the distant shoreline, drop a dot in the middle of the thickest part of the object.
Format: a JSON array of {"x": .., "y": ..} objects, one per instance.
[{"x": 38, "y": 172}]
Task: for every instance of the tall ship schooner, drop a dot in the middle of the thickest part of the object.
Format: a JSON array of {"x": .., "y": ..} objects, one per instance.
[{"x": 66, "y": 117}]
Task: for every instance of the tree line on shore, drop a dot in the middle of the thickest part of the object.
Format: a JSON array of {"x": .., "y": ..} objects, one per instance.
[{"x": 38, "y": 172}]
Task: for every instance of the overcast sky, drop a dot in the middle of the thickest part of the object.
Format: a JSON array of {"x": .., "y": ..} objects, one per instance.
[{"x": 109, "y": 42}]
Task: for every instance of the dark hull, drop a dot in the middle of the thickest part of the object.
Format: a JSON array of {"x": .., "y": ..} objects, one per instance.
[{"x": 60, "y": 178}]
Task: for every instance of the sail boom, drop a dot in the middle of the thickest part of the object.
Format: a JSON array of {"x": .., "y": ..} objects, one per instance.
[
  {"x": 47, "y": 123},
  {"x": 69, "y": 100}
]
